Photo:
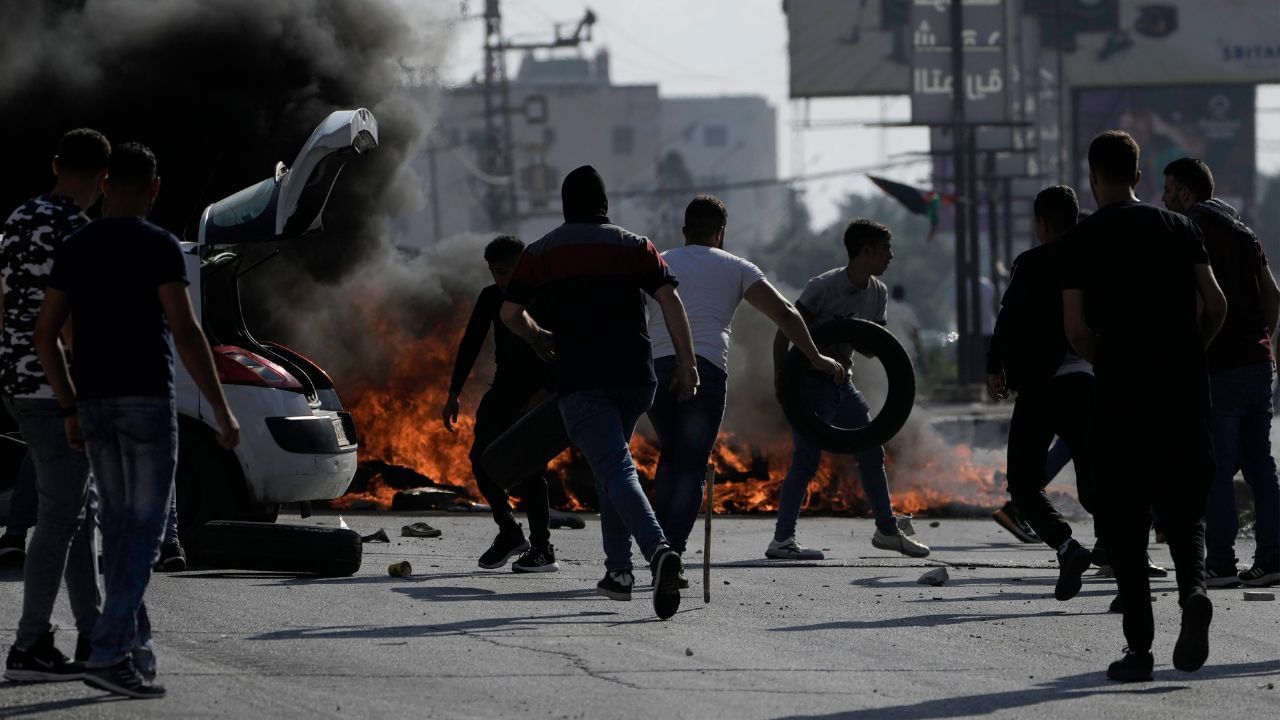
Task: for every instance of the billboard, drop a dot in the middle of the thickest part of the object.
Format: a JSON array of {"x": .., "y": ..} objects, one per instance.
[
  {"x": 1212, "y": 122},
  {"x": 840, "y": 48},
  {"x": 1157, "y": 42}
]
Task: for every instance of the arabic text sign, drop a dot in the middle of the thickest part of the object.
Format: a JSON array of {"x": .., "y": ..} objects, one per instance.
[{"x": 985, "y": 75}]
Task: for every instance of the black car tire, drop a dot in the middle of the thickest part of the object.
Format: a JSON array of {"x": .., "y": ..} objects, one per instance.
[
  {"x": 866, "y": 338},
  {"x": 234, "y": 545}
]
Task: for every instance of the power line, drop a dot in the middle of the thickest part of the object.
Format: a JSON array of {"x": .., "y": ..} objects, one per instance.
[{"x": 769, "y": 182}]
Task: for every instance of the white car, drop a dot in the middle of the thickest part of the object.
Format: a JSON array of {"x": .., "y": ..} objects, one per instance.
[{"x": 296, "y": 442}]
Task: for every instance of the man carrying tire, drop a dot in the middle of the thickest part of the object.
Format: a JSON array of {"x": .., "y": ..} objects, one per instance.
[
  {"x": 588, "y": 275},
  {"x": 712, "y": 282},
  {"x": 1029, "y": 354},
  {"x": 124, "y": 280},
  {"x": 852, "y": 291},
  {"x": 519, "y": 378}
]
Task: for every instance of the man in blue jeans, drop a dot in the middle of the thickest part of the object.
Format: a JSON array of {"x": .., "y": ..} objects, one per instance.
[
  {"x": 852, "y": 291},
  {"x": 588, "y": 276},
  {"x": 1241, "y": 368},
  {"x": 125, "y": 282},
  {"x": 55, "y": 480},
  {"x": 712, "y": 284}
]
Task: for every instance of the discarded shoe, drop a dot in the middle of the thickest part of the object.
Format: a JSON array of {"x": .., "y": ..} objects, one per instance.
[
  {"x": 419, "y": 529},
  {"x": 376, "y": 537}
]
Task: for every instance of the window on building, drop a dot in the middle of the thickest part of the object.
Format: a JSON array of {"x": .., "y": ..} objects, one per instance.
[
  {"x": 624, "y": 139},
  {"x": 548, "y": 136},
  {"x": 715, "y": 135}
]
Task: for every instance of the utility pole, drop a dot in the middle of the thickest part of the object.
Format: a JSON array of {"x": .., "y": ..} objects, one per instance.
[
  {"x": 495, "y": 154},
  {"x": 960, "y": 140}
]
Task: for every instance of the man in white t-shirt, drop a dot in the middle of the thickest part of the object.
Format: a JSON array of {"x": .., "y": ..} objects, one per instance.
[
  {"x": 712, "y": 284},
  {"x": 852, "y": 291}
]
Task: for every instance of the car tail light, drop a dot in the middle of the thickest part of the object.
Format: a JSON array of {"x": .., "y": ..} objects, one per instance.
[{"x": 237, "y": 366}]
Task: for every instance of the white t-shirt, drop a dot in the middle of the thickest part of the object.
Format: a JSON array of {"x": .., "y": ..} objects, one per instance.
[{"x": 712, "y": 283}]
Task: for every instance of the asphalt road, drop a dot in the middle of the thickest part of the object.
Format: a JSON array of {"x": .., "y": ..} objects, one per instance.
[{"x": 850, "y": 637}]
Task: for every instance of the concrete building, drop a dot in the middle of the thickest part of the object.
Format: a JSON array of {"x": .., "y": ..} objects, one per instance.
[{"x": 654, "y": 153}]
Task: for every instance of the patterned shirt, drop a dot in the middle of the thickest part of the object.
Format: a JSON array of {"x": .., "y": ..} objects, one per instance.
[{"x": 30, "y": 237}]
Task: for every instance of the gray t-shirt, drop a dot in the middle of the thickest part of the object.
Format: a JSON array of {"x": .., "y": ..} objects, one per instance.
[{"x": 833, "y": 295}]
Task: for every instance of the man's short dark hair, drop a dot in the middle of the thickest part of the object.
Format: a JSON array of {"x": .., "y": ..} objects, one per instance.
[
  {"x": 1192, "y": 174},
  {"x": 1058, "y": 207},
  {"x": 862, "y": 232},
  {"x": 704, "y": 216},
  {"x": 503, "y": 248},
  {"x": 1113, "y": 157},
  {"x": 83, "y": 150},
  {"x": 131, "y": 165}
]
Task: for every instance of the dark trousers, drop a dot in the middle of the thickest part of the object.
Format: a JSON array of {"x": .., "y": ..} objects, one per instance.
[
  {"x": 500, "y": 409},
  {"x": 1151, "y": 458},
  {"x": 1063, "y": 407}
]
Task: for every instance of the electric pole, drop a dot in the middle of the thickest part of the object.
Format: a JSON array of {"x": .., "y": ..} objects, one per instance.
[{"x": 495, "y": 154}]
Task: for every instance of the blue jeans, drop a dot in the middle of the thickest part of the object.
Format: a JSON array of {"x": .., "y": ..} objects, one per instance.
[
  {"x": 132, "y": 443},
  {"x": 63, "y": 541},
  {"x": 1058, "y": 457},
  {"x": 687, "y": 434},
  {"x": 600, "y": 422},
  {"x": 841, "y": 406},
  {"x": 1240, "y": 421}
]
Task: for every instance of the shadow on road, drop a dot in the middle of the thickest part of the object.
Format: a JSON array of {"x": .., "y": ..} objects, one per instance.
[
  {"x": 1071, "y": 687},
  {"x": 36, "y": 708},
  {"x": 461, "y": 627},
  {"x": 925, "y": 621}
]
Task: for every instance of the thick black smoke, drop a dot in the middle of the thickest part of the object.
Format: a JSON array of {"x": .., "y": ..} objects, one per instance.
[{"x": 221, "y": 90}]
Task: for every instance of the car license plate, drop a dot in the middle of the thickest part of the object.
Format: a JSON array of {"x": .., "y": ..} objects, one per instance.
[{"x": 341, "y": 433}]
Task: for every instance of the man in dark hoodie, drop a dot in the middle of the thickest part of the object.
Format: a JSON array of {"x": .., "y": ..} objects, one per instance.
[
  {"x": 1029, "y": 354},
  {"x": 1241, "y": 368},
  {"x": 588, "y": 276}
]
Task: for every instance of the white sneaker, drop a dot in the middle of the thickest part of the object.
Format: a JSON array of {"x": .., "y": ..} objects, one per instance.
[
  {"x": 789, "y": 549},
  {"x": 900, "y": 543}
]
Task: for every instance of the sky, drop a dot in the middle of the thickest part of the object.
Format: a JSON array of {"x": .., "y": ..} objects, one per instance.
[{"x": 736, "y": 47}]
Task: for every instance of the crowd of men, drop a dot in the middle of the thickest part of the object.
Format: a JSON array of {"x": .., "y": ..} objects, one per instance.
[{"x": 1140, "y": 337}]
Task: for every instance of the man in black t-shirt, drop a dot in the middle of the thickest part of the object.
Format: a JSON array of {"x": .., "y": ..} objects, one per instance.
[
  {"x": 520, "y": 379},
  {"x": 125, "y": 282},
  {"x": 1131, "y": 275}
]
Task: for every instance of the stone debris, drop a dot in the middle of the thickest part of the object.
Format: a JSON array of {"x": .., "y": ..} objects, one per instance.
[
  {"x": 377, "y": 537},
  {"x": 1259, "y": 595},
  {"x": 935, "y": 577},
  {"x": 688, "y": 652}
]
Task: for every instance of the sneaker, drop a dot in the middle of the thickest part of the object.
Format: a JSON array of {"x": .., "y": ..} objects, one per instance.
[
  {"x": 144, "y": 661},
  {"x": 537, "y": 560},
  {"x": 1220, "y": 578},
  {"x": 172, "y": 558},
  {"x": 419, "y": 529},
  {"x": 1259, "y": 576},
  {"x": 616, "y": 585},
  {"x": 42, "y": 663},
  {"x": 684, "y": 581},
  {"x": 84, "y": 648},
  {"x": 900, "y": 543},
  {"x": 1010, "y": 519},
  {"x": 122, "y": 679},
  {"x": 1071, "y": 568},
  {"x": 1155, "y": 571},
  {"x": 13, "y": 550},
  {"x": 666, "y": 566},
  {"x": 1133, "y": 667},
  {"x": 1192, "y": 648},
  {"x": 789, "y": 549},
  {"x": 904, "y": 525},
  {"x": 504, "y": 547},
  {"x": 1115, "y": 606}
]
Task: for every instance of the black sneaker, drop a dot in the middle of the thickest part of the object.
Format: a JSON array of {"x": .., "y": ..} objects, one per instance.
[
  {"x": 684, "y": 581},
  {"x": 666, "y": 566},
  {"x": 42, "y": 663},
  {"x": 13, "y": 550},
  {"x": 1154, "y": 570},
  {"x": 1115, "y": 606},
  {"x": 616, "y": 585},
  {"x": 172, "y": 558},
  {"x": 1261, "y": 576},
  {"x": 1071, "y": 568},
  {"x": 84, "y": 648},
  {"x": 537, "y": 560},
  {"x": 1133, "y": 667},
  {"x": 122, "y": 679},
  {"x": 1010, "y": 519},
  {"x": 1221, "y": 578},
  {"x": 504, "y": 547},
  {"x": 1192, "y": 648}
]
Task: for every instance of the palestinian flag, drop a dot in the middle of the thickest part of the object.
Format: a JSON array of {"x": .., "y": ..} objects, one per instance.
[{"x": 919, "y": 202}]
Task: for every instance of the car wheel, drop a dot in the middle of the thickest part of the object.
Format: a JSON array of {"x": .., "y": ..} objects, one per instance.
[
  {"x": 236, "y": 545},
  {"x": 866, "y": 338}
]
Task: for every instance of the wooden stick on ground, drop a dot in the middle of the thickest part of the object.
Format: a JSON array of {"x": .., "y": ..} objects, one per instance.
[{"x": 706, "y": 539}]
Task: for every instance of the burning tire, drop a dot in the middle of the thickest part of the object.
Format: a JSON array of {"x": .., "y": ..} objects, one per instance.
[
  {"x": 328, "y": 552},
  {"x": 867, "y": 338}
]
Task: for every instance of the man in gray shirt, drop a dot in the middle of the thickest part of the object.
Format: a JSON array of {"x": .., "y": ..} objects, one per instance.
[{"x": 852, "y": 291}]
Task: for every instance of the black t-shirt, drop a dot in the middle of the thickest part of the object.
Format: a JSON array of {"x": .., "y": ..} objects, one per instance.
[
  {"x": 1135, "y": 265},
  {"x": 518, "y": 369},
  {"x": 111, "y": 269}
]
